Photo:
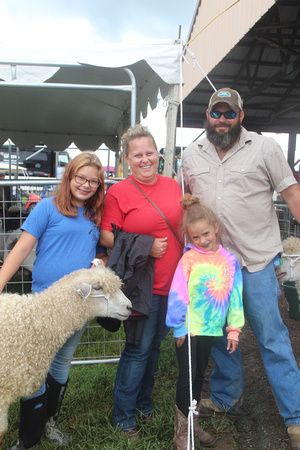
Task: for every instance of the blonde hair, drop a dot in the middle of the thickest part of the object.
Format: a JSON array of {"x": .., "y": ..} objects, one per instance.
[
  {"x": 135, "y": 132},
  {"x": 63, "y": 199},
  {"x": 193, "y": 211}
]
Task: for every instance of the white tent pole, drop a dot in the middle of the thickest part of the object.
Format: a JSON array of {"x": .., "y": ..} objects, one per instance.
[
  {"x": 69, "y": 86},
  {"x": 132, "y": 114},
  {"x": 39, "y": 64},
  {"x": 133, "y": 97},
  {"x": 170, "y": 150}
]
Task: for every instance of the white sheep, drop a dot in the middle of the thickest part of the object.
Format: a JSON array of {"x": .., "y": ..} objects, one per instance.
[
  {"x": 34, "y": 327},
  {"x": 290, "y": 267}
]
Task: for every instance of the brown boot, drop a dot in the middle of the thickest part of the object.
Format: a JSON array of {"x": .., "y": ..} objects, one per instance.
[
  {"x": 205, "y": 439},
  {"x": 294, "y": 436},
  {"x": 207, "y": 408},
  {"x": 132, "y": 435},
  {"x": 181, "y": 430}
]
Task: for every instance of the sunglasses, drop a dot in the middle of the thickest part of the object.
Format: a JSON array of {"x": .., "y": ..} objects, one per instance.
[{"x": 227, "y": 114}]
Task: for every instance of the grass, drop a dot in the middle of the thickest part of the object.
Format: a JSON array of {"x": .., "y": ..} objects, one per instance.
[{"x": 87, "y": 409}]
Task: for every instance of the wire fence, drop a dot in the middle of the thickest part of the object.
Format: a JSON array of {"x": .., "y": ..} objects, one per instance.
[
  {"x": 287, "y": 223},
  {"x": 17, "y": 199}
]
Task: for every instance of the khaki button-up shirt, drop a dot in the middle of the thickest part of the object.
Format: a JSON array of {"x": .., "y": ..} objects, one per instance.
[{"x": 239, "y": 188}]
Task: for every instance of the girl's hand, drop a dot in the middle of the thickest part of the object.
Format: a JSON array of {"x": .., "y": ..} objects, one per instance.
[
  {"x": 102, "y": 256},
  {"x": 232, "y": 345},
  {"x": 179, "y": 341},
  {"x": 159, "y": 247},
  {"x": 97, "y": 262}
]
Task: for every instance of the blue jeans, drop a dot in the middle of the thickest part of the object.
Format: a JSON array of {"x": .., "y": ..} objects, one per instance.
[
  {"x": 135, "y": 374},
  {"x": 60, "y": 366},
  {"x": 260, "y": 295}
]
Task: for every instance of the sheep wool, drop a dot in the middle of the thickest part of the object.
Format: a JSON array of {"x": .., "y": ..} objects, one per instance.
[
  {"x": 291, "y": 246},
  {"x": 34, "y": 327}
]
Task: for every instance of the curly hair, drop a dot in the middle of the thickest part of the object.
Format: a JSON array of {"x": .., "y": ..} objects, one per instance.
[
  {"x": 133, "y": 133},
  {"x": 63, "y": 197}
]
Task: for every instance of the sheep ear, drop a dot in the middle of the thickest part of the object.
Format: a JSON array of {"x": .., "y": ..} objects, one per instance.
[{"x": 82, "y": 288}]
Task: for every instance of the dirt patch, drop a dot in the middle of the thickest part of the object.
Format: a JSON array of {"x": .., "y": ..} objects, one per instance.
[{"x": 260, "y": 426}]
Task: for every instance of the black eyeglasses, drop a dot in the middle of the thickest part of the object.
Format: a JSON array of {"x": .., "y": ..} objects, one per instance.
[
  {"x": 227, "y": 114},
  {"x": 82, "y": 180}
]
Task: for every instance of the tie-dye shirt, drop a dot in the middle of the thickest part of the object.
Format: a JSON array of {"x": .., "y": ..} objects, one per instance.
[{"x": 210, "y": 285}]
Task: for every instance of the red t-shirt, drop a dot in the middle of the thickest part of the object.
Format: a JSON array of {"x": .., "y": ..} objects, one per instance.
[{"x": 129, "y": 210}]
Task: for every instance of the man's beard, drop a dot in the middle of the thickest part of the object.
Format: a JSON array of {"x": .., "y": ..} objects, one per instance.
[{"x": 222, "y": 140}]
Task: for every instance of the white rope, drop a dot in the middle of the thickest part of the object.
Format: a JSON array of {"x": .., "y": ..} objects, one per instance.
[
  {"x": 292, "y": 258},
  {"x": 169, "y": 103},
  {"x": 181, "y": 116},
  {"x": 193, "y": 402},
  {"x": 195, "y": 62}
]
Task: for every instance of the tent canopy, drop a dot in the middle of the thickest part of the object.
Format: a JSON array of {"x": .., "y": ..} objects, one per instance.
[{"x": 89, "y": 102}]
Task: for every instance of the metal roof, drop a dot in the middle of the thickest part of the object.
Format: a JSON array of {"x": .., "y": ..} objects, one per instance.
[{"x": 264, "y": 67}]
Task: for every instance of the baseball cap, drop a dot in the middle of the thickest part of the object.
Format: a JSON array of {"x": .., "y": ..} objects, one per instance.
[{"x": 226, "y": 95}]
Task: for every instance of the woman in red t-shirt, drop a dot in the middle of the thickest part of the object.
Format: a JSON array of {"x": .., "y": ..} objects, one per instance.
[{"x": 131, "y": 211}]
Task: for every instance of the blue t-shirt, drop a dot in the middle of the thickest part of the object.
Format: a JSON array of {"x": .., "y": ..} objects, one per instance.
[{"x": 64, "y": 243}]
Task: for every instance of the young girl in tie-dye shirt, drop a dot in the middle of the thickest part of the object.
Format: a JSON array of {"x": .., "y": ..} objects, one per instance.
[{"x": 206, "y": 291}]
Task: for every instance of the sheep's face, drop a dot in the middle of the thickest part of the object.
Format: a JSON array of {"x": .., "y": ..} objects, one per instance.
[
  {"x": 283, "y": 271},
  {"x": 108, "y": 303},
  {"x": 289, "y": 269}
]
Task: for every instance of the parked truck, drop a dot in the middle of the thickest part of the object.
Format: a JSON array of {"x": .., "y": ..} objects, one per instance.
[{"x": 38, "y": 162}]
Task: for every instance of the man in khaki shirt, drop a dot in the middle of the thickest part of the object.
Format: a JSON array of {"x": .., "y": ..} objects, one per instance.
[{"x": 235, "y": 173}]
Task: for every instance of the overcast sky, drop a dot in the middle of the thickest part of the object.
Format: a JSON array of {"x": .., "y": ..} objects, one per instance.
[
  {"x": 32, "y": 25},
  {"x": 46, "y": 30}
]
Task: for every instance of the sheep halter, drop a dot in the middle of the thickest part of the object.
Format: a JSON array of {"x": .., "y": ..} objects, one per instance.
[
  {"x": 106, "y": 297},
  {"x": 97, "y": 262},
  {"x": 292, "y": 259}
]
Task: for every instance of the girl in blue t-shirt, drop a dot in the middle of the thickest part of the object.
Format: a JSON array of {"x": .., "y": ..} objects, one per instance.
[{"x": 66, "y": 230}]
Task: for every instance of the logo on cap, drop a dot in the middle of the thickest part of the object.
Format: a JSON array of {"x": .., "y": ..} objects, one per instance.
[{"x": 224, "y": 94}]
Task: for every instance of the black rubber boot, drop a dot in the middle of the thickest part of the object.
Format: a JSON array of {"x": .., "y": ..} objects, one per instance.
[
  {"x": 33, "y": 417},
  {"x": 55, "y": 395},
  {"x": 20, "y": 446}
]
